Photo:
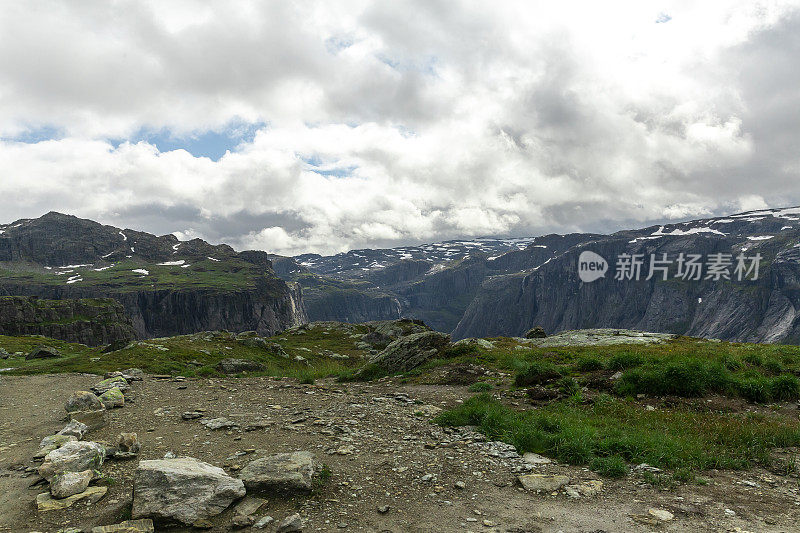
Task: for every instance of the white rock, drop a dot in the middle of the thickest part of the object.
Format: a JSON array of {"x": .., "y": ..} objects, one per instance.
[
  {"x": 182, "y": 489},
  {"x": 661, "y": 514},
  {"x": 75, "y": 456}
]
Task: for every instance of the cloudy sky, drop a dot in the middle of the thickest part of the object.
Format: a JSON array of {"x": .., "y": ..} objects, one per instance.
[{"x": 307, "y": 126}]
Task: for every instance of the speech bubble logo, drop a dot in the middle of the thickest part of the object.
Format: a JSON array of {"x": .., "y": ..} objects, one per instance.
[{"x": 591, "y": 266}]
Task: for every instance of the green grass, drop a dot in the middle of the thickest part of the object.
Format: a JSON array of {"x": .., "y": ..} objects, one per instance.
[
  {"x": 613, "y": 432},
  {"x": 536, "y": 373},
  {"x": 225, "y": 275},
  {"x": 682, "y": 367},
  {"x": 481, "y": 386},
  {"x": 197, "y": 354}
]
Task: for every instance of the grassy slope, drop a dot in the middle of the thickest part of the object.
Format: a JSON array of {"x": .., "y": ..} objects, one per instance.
[
  {"x": 191, "y": 355},
  {"x": 230, "y": 274}
]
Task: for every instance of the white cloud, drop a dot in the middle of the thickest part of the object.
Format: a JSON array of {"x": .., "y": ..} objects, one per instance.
[{"x": 395, "y": 122}]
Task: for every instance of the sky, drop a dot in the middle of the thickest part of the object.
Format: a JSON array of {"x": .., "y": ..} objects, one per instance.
[{"x": 299, "y": 127}]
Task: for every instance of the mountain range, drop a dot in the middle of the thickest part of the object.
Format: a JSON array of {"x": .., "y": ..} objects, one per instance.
[
  {"x": 494, "y": 287},
  {"x": 469, "y": 288}
]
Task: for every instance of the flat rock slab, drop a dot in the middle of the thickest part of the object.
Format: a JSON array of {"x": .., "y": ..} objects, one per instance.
[
  {"x": 282, "y": 473},
  {"x": 219, "y": 423},
  {"x": 543, "y": 482},
  {"x": 585, "y": 489},
  {"x": 243, "y": 513},
  {"x": 144, "y": 525},
  {"x": 45, "y": 502},
  {"x": 182, "y": 489},
  {"x": 600, "y": 337}
]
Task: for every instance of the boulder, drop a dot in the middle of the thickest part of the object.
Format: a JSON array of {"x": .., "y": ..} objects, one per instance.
[
  {"x": 411, "y": 351},
  {"x": 535, "y": 333},
  {"x": 144, "y": 525},
  {"x": 45, "y": 502},
  {"x": 74, "y": 428},
  {"x": 68, "y": 484},
  {"x": 52, "y": 442},
  {"x": 107, "y": 384},
  {"x": 112, "y": 398},
  {"x": 43, "y": 352},
  {"x": 285, "y": 473},
  {"x": 237, "y": 366},
  {"x": 182, "y": 489},
  {"x": 127, "y": 445},
  {"x": 74, "y": 456},
  {"x": 83, "y": 401}
]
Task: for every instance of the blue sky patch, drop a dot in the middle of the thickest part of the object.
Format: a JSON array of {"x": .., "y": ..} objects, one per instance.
[
  {"x": 36, "y": 135},
  {"x": 315, "y": 164},
  {"x": 212, "y": 144}
]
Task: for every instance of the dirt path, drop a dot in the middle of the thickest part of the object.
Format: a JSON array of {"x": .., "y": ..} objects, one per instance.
[{"x": 386, "y": 454}]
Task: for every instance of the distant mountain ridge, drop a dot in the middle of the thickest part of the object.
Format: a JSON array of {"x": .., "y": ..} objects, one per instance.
[
  {"x": 166, "y": 286},
  {"x": 475, "y": 291},
  {"x": 470, "y": 288}
]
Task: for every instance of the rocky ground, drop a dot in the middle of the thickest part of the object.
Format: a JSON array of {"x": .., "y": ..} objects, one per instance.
[{"x": 391, "y": 468}]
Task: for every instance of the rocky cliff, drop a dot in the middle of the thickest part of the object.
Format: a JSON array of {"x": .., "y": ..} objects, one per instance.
[
  {"x": 166, "y": 286},
  {"x": 553, "y": 296},
  {"x": 503, "y": 287},
  {"x": 93, "y": 322}
]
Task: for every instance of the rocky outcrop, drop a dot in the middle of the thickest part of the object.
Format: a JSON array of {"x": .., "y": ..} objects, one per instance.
[
  {"x": 93, "y": 321},
  {"x": 411, "y": 351}
]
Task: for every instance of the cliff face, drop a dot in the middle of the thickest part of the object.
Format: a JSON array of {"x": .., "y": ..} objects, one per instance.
[
  {"x": 88, "y": 321},
  {"x": 159, "y": 313},
  {"x": 166, "y": 286},
  {"x": 554, "y": 297}
]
